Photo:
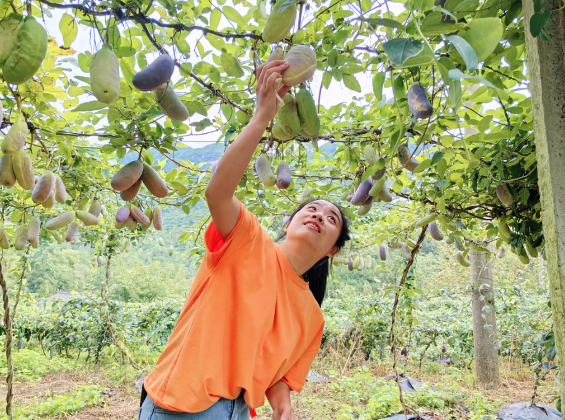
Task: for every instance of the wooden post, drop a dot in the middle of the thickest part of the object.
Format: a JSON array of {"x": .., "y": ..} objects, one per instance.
[
  {"x": 546, "y": 64},
  {"x": 487, "y": 370}
]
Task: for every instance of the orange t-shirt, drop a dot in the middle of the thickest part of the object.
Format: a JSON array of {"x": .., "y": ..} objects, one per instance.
[{"x": 248, "y": 321}]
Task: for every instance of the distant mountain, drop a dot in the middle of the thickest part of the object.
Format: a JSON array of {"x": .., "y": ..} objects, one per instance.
[{"x": 208, "y": 153}]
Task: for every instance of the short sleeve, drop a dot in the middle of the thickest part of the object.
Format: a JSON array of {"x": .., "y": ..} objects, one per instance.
[
  {"x": 296, "y": 376},
  {"x": 246, "y": 228}
]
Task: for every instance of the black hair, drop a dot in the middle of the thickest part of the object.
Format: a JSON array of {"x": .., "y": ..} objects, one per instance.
[{"x": 317, "y": 275}]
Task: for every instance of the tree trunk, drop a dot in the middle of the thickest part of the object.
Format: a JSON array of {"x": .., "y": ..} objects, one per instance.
[
  {"x": 484, "y": 320},
  {"x": 546, "y": 64}
]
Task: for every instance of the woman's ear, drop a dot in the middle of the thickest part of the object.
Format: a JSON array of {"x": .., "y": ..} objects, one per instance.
[
  {"x": 333, "y": 252},
  {"x": 286, "y": 227}
]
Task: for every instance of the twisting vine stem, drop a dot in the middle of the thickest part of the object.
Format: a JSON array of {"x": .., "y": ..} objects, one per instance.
[
  {"x": 393, "y": 317},
  {"x": 8, "y": 323}
]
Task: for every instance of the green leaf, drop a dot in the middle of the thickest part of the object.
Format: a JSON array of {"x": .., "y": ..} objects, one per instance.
[
  {"x": 466, "y": 51},
  {"x": 389, "y": 23},
  {"x": 485, "y": 123},
  {"x": 125, "y": 52},
  {"x": 399, "y": 88},
  {"x": 483, "y": 35},
  {"x": 231, "y": 65},
  {"x": 442, "y": 28},
  {"x": 351, "y": 82},
  {"x": 84, "y": 61},
  {"x": 90, "y": 106},
  {"x": 69, "y": 29},
  {"x": 234, "y": 15},
  {"x": 398, "y": 50},
  {"x": 425, "y": 164},
  {"x": 327, "y": 79},
  {"x": 456, "y": 74},
  {"x": 426, "y": 56},
  {"x": 203, "y": 68},
  {"x": 195, "y": 106},
  {"x": 538, "y": 21},
  {"x": 378, "y": 83}
]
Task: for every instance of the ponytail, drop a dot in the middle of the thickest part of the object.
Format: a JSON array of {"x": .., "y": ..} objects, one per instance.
[{"x": 317, "y": 278}]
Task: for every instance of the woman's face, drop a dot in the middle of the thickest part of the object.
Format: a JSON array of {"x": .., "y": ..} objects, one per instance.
[{"x": 316, "y": 227}]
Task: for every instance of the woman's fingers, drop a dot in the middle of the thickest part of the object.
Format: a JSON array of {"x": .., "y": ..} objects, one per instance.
[
  {"x": 265, "y": 70},
  {"x": 270, "y": 82}
]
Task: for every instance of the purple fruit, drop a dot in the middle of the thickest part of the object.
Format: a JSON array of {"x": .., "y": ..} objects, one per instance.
[
  {"x": 155, "y": 74},
  {"x": 362, "y": 193},
  {"x": 286, "y": 219},
  {"x": 122, "y": 214},
  {"x": 213, "y": 167},
  {"x": 350, "y": 265},
  {"x": 349, "y": 197}
]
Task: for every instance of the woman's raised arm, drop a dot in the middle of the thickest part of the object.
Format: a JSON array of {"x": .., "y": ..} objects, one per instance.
[{"x": 223, "y": 205}]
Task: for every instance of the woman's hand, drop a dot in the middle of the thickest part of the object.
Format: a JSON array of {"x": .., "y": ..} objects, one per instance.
[
  {"x": 283, "y": 412},
  {"x": 267, "y": 106}
]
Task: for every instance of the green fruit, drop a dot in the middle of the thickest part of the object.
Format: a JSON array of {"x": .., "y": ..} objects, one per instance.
[
  {"x": 72, "y": 231},
  {"x": 363, "y": 210},
  {"x": 127, "y": 175},
  {"x": 21, "y": 238},
  {"x": 531, "y": 248},
  {"x": 370, "y": 155},
  {"x": 307, "y": 113},
  {"x": 521, "y": 255},
  {"x": 4, "y": 243},
  {"x": 105, "y": 75},
  {"x": 356, "y": 263},
  {"x": 154, "y": 182},
  {"x": 124, "y": 246},
  {"x": 149, "y": 213},
  {"x": 287, "y": 116},
  {"x": 284, "y": 176},
  {"x": 379, "y": 174},
  {"x": 461, "y": 259},
  {"x": 458, "y": 243},
  {"x": 404, "y": 157},
  {"x": 384, "y": 195},
  {"x": 28, "y": 53},
  {"x": 368, "y": 261},
  {"x": 278, "y": 24},
  {"x": 377, "y": 187},
  {"x": 155, "y": 74},
  {"x": 449, "y": 240},
  {"x": 361, "y": 264},
  {"x": 95, "y": 208},
  {"x": 23, "y": 170},
  {"x": 33, "y": 229},
  {"x": 277, "y": 54},
  {"x": 139, "y": 216},
  {"x": 394, "y": 245},
  {"x": 171, "y": 250},
  {"x": 503, "y": 194},
  {"x": 7, "y": 177},
  {"x": 410, "y": 243},
  {"x": 50, "y": 202},
  {"x": 279, "y": 133},
  {"x": 60, "y": 190},
  {"x": 426, "y": 220},
  {"x": 302, "y": 63},
  {"x": 87, "y": 218},
  {"x": 263, "y": 168},
  {"x": 418, "y": 102},
  {"x": 43, "y": 188},
  {"x": 16, "y": 138},
  {"x": 158, "y": 218},
  {"x": 131, "y": 192},
  {"x": 83, "y": 203},
  {"x": 160, "y": 242},
  {"x": 9, "y": 28},
  {"x": 119, "y": 225},
  {"x": 131, "y": 223},
  {"x": 170, "y": 103},
  {"x": 501, "y": 252},
  {"x": 503, "y": 229}
]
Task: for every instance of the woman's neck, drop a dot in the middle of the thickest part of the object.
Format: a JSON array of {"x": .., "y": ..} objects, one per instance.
[{"x": 300, "y": 262}]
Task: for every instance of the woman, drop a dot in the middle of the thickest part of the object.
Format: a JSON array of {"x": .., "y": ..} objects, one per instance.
[{"x": 251, "y": 325}]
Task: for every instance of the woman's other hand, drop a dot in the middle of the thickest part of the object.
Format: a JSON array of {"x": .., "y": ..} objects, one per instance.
[
  {"x": 267, "y": 106},
  {"x": 283, "y": 412}
]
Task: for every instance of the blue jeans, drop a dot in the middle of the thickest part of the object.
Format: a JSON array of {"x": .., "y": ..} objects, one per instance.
[{"x": 223, "y": 409}]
